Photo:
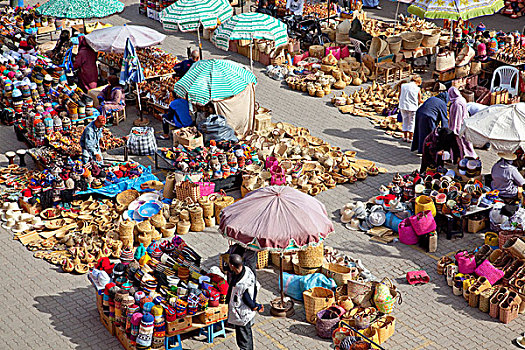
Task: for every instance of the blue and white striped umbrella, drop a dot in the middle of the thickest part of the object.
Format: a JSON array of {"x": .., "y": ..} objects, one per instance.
[{"x": 131, "y": 71}]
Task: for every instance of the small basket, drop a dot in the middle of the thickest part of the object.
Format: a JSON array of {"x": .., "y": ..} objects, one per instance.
[
  {"x": 262, "y": 259},
  {"x": 126, "y": 197},
  {"x": 315, "y": 300},
  {"x": 431, "y": 38},
  {"x": 484, "y": 299},
  {"x": 339, "y": 273},
  {"x": 221, "y": 201},
  {"x": 505, "y": 235}
]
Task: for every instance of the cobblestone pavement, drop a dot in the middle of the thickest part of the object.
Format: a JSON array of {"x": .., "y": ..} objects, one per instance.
[{"x": 45, "y": 308}]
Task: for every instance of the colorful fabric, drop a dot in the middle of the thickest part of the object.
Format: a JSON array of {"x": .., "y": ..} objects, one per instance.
[
  {"x": 454, "y": 9},
  {"x": 249, "y": 26},
  {"x": 131, "y": 71},
  {"x": 187, "y": 15}
]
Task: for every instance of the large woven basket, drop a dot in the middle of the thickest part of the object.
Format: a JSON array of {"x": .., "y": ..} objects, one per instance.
[
  {"x": 187, "y": 189},
  {"x": 431, "y": 38},
  {"x": 315, "y": 300},
  {"x": 385, "y": 327},
  {"x": 220, "y": 202},
  {"x": 312, "y": 257},
  {"x": 484, "y": 299},
  {"x": 339, "y": 273},
  {"x": 262, "y": 259},
  {"x": 505, "y": 235},
  {"x": 394, "y": 44},
  {"x": 287, "y": 261},
  {"x": 411, "y": 40}
]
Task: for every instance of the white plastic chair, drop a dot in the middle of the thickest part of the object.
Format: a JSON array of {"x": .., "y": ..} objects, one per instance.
[{"x": 507, "y": 75}]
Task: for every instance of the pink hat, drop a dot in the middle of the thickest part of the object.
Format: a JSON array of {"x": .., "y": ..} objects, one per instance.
[{"x": 482, "y": 49}]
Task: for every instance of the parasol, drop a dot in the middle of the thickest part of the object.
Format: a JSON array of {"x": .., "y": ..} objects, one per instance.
[
  {"x": 113, "y": 39},
  {"x": 276, "y": 218},
  {"x": 80, "y": 9},
  {"x": 213, "y": 80},
  {"x": 249, "y": 26},
  {"x": 454, "y": 9},
  {"x": 503, "y": 126}
]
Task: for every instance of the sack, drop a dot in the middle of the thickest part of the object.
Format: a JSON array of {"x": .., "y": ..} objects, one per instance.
[
  {"x": 187, "y": 189},
  {"x": 423, "y": 223},
  {"x": 486, "y": 269},
  {"x": 445, "y": 61},
  {"x": 466, "y": 262},
  {"x": 215, "y": 127},
  {"x": 141, "y": 141},
  {"x": 406, "y": 233}
]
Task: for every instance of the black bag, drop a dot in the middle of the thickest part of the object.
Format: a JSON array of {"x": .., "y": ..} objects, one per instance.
[{"x": 216, "y": 128}]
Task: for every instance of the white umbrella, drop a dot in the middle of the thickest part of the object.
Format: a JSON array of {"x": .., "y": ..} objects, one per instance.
[
  {"x": 113, "y": 39},
  {"x": 503, "y": 126}
]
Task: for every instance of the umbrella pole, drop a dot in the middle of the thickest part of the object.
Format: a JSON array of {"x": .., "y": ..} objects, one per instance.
[
  {"x": 141, "y": 121},
  {"x": 251, "y": 53},
  {"x": 397, "y": 10},
  {"x": 281, "y": 280},
  {"x": 199, "y": 39}
]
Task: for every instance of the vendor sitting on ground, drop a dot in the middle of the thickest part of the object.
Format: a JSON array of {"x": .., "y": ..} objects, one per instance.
[
  {"x": 90, "y": 140},
  {"x": 440, "y": 145},
  {"x": 112, "y": 98},
  {"x": 178, "y": 115},
  {"x": 506, "y": 178},
  {"x": 181, "y": 68}
]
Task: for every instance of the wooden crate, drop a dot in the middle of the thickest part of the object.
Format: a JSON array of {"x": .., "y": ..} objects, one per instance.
[
  {"x": 123, "y": 338},
  {"x": 213, "y": 314},
  {"x": 178, "y": 325},
  {"x": 446, "y": 75},
  {"x": 107, "y": 323},
  {"x": 99, "y": 304}
]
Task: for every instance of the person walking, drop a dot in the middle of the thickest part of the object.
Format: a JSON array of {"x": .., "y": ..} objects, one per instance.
[
  {"x": 431, "y": 114},
  {"x": 457, "y": 114},
  {"x": 409, "y": 101},
  {"x": 242, "y": 307}
]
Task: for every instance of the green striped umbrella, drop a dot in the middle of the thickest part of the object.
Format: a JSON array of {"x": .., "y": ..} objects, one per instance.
[
  {"x": 81, "y": 9},
  {"x": 248, "y": 26},
  {"x": 213, "y": 80},
  {"x": 188, "y": 14}
]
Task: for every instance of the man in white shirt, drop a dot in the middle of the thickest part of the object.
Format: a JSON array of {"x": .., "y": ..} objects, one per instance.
[
  {"x": 409, "y": 101},
  {"x": 295, "y": 6}
]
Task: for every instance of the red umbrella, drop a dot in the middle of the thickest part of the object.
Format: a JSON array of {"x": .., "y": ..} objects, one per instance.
[{"x": 277, "y": 218}]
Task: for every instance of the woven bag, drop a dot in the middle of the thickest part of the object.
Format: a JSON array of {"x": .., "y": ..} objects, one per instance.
[
  {"x": 505, "y": 235},
  {"x": 220, "y": 201},
  {"x": 207, "y": 207},
  {"x": 169, "y": 186},
  {"x": 360, "y": 292},
  {"x": 315, "y": 300},
  {"x": 484, "y": 299},
  {"x": 158, "y": 220},
  {"x": 327, "y": 320},
  {"x": 187, "y": 189},
  {"x": 312, "y": 256},
  {"x": 516, "y": 246},
  {"x": 339, "y": 273},
  {"x": 385, "y": 327}
]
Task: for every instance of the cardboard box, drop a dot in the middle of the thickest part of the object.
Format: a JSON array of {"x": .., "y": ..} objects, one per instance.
[
  {"x": 188, "y": 143},
  {"x": 213, "y": 314},
  {"x": 179, "y": 325},
  {"x": 107, "y": 323}
]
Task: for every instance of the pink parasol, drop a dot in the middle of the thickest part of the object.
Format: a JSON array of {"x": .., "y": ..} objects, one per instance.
[{"x": 277, "y": 218}]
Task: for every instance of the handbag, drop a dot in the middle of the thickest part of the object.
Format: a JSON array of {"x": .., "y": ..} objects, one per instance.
[
  {"x": 406, "y": 233},
  {"x": 445, "y": 61},
  {"x": 466, "y": 262},
  {"x": 487, "y": 270},
  {"x": 423, "y": 223},
  {"x": 187, "y": 189}
]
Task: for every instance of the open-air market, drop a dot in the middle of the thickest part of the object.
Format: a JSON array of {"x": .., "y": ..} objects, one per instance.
[{"x": 262, "y": 174}]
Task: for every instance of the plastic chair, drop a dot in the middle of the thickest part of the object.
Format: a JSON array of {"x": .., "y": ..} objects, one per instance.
[{"x": 507, "y": 75}]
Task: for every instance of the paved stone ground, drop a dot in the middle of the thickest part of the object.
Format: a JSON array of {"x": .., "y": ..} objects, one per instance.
[{"x": 45, "y": 308}]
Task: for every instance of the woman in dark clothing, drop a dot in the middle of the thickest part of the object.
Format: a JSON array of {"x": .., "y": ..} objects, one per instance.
[
  {"x": 264, "y": 8},
  {"x": 436, "y": 144},
  {"x": 63, "y": 44},
  {"x": 429, "y": 116},
  {"x": 86, "y": 61}
]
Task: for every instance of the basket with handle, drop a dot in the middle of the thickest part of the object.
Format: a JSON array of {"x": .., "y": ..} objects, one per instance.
[
  {"x": 312, "y": 256},
  {"x": 206, "y": 188},
  {"x": 315, "y": 300},
  {"x": 326, "y": 321},
  {"x": 385, "y": 327},
  {"x": 505, "y": 235},
  {"x": 187, "y": 189},
  {"x": 360, "y": 291},
  {"x": 338, "y": 272},
  {"x": 221, "y": 201},
  {"x": 387, "y": 306}
]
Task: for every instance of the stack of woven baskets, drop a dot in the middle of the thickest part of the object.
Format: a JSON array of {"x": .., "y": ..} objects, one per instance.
[
  {"x": 310, "y": 260},
  {"x": 125, "y": 232}
]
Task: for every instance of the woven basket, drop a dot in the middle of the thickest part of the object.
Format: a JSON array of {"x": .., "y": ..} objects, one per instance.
[
  {"x": 326, "y": 322},
  {"x": 385, "y": 327},
  {"x": 360, "y": 292},
  {"x": 341, "y": 292},
  {"x": 339, "y": 273},
  {"x": 184, "y": 215},
  {"x": 262, "y": 259},
  {"x": 412, "y": 40},
  {"x": 345, "y": 302},
  {"x": 287, "y": 261},
  {"x": 196, "y": 213},
  {"x": 158, "y": 220},
  {"x": 125, "y": 229},
  {"x": 484, "y": 299},
  {"x": 144, "y": 238},
  {"x": 183, "y": 227},
  {"x": 431, "y": 38},
  {"x": 220, "y": 202},
  {"x": 505, "y": 235},
  {"x": 312, "y": 257},
  {"x": 316, "y": 51},
  {"x": 303, "y": 271},
  {"x": 187, "y": 189},
  {"x": 144, "y": 226},
  {"x": 168, "y": 230},
  {"x": 209, "y": 221},
  {"x": 394, "y": 44},
  {"x": 462, "y": 71},
  {"x": 207, "y": 207},
  {"x": 315, "y": 300},
  {"x": 197, "y": 225},
  {"x": 126, "y": 197},
  {"x": 387, "y": 307}
]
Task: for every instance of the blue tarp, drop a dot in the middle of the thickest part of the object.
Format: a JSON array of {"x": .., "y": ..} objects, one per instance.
[{"x": 114, "y": 189}]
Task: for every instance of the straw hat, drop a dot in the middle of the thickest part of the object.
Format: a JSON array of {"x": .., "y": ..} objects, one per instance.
[
  {"x": 9, "y": 223},
  {"x": 11, "y": 214},
  {"x": 36, "y": 222},
  {"x": 507, "y": 155},
  {"x": 346, "y": 216},
  {"x": 21, "y": 226},
  {"x": 353, "y": 225}
]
